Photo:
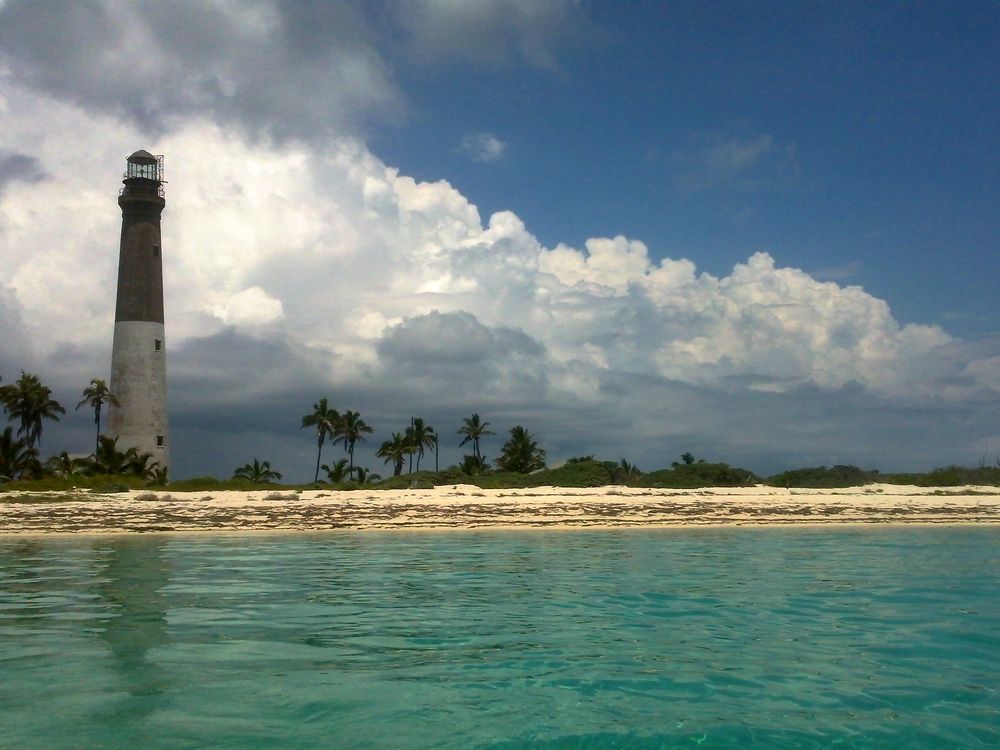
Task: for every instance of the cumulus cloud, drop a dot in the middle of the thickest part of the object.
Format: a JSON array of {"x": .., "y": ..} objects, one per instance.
[
  {"x": 285, "y": 69},
  {"x": 482, "y": 147},
  {"x": 985, "y": 371},
  {"x": 250, "y": 308},
  {"x": 397, "y": 290}
]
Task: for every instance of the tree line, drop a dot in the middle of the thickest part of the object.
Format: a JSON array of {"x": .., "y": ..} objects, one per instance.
[
  {"x": 407, "y": 447},
  {"x": 29, "y": 404}
]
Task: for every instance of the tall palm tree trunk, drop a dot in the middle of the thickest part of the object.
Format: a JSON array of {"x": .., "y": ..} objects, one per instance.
[{"x": 319, "y": 453}]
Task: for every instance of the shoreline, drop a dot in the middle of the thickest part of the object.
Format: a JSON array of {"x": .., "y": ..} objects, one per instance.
[
  {"x": 469, "y": 508},
  {"x": 486, "y": 529}
]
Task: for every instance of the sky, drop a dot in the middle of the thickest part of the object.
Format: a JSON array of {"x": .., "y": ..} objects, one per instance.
[{"x": 763, "y": 233}]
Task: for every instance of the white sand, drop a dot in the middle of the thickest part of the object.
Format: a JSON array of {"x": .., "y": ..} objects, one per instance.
[{"x": 468, "y": 507}]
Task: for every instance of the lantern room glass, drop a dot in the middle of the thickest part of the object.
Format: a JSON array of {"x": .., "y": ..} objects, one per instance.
[{"x": 144, "y": 171}]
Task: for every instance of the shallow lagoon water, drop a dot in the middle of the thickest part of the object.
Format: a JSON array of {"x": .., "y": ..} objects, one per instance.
[{"x": 881, "y": 637}]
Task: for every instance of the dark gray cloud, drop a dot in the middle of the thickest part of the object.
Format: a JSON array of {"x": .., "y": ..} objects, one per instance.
[
  {"x": 231, "y": 370},
  {"x": 235, "y": 397},
  {"x": 15, "y": 353},
  {"x": 452, "y": 338},
  {"x": 19, "y": 167},
  {"x": 291, "y": 68},
  {"x": 807, "y": 426},
  {"x": 460, "y": 358}
]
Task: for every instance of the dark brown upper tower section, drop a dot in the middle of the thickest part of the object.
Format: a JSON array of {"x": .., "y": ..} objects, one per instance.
[{"x": 140, "y": 270}]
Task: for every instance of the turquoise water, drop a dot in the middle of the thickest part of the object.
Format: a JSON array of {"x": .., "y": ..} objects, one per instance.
[{"x": 769, "y": 638}]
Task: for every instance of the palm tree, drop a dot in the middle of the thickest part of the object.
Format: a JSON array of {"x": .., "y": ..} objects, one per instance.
[
  {"x": 257, "y": 472},
  {"x": 108, "y": 459},
  {"x": 624, "y": 470},
  {"x": 420, "y": 436},
  {"x": 473, "y": 430},
  {"x": 141, "y": 465},
  {"x": 64, "y": 466},
  {"x": 471, "y": 466},
  {"x": 337, "y": 473},
  {"x": 97, "y": 394},
  {"x": 521, "y": 453},
  {"x": 365, "y": 476},
  {"x": 16, "y": 458},
  {"x": 628, "y": 469},
  {"x": 325, "y": 420},
  {"x": 351, "y": 429},
  {"x": 395, "y": 450},
  {"x": 30, "y": 402}
]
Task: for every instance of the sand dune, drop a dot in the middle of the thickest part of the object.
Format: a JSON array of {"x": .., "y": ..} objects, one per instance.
[{"x": 469, "y": 507}]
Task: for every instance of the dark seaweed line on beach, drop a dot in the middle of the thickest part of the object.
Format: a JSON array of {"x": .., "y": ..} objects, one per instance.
[{"x": 169, "y": 516}]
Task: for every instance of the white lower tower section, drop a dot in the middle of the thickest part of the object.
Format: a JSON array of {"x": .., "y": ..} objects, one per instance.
[{"x": 139, "y": 382}]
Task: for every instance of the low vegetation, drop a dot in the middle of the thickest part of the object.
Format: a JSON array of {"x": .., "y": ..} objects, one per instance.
[
  {"x": 580, "y": 472},
  {"x": 821, "y": 476}
]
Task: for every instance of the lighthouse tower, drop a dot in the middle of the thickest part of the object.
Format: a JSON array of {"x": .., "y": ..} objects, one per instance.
[{"x": 138, "y": 355}]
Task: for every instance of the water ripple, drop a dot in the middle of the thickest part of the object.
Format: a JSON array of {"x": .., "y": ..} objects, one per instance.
[{"x": 769, "y": 638}]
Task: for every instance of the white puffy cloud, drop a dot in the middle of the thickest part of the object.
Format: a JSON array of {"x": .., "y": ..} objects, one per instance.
[
  {"x": 346, "y": 248},
  {"x": 985, "y": 371},
  {"x": 398, "y": 295},
  {"x": 251, "y": 308}
]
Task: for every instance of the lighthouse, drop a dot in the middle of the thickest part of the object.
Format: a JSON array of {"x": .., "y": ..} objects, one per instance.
[{"x": 138, "y": 354}]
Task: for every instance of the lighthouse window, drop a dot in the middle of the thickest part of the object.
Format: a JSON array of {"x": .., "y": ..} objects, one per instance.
[
  {"x": 156, "y": 251},
  {"x": 159, "y": 441},
  {"x": 158, "y": 344}
]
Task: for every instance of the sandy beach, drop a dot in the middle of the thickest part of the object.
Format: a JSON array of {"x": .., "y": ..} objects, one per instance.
[{"x": 469, "y": 507}]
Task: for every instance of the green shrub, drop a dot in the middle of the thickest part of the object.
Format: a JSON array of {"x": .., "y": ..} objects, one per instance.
[
  {"x": 55, "y": 484},
  {"x": 692, "y": 476},
  {"x": 580, "y": 472},
  {"x": 821, "y": 476},
  {"x": 951, "y": 476}
]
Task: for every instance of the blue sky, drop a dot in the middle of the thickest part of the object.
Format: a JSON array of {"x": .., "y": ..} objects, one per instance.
[
  {"x": 765, "y": 233},
  {"x": 878, "y": 166}
]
